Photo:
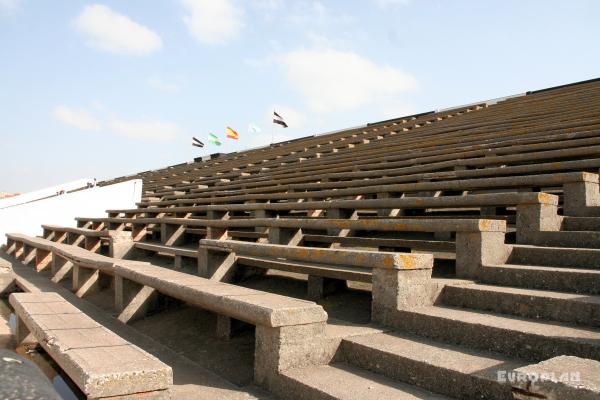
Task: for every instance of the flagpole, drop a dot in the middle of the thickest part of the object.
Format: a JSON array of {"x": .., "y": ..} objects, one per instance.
[{"x": 272, "y": 129}]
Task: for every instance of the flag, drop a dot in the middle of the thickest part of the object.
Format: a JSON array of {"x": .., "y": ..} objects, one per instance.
[
  {"x": 278, "y": 120},
  {"x": 213, "y": 139},
  {"x": 253, "y": 128},
  {"x": 197, "y": 143},
  {"x": 231, "y": 134}
]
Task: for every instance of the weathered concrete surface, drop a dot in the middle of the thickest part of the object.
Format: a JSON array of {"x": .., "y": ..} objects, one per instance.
[
  {"x": 559, "y": 378},
  {"x": 22, "y": 379},
  {"x": 252, "y": 306},
  {"x": 97, "y": 360},
  {"x": 439, "y": 367},
  {"x": 190, "y": 381},
  {"x": 358, "y": 258},
  {"x": 343, "y": 382}
]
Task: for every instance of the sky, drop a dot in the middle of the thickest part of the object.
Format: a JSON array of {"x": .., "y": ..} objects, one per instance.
[{"x": 104, "y": 89}]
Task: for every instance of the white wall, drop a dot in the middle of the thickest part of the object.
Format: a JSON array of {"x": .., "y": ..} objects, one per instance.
[
  {"x": 46, "y": 192},
  {"x": 62, "y": 210}
]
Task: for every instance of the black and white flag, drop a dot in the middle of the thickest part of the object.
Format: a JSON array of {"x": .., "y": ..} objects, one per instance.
[
  {"x": 278, "y": 120},
  {"x": 197, "y": 143}
]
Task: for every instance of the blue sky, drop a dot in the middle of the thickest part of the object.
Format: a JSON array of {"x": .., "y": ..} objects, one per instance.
[{"x": 115, "y": 87}]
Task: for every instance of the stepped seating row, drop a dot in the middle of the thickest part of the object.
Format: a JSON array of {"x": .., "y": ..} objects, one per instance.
[
  {"x": 544, "y": 116},
  {"x": 502, "y": 110}
]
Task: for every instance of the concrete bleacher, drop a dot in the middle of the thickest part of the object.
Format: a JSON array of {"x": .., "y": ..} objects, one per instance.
[{"x": 470, "y": 233}]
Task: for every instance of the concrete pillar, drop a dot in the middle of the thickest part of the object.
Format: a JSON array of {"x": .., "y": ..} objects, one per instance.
[
  {"x": 282, "y": 348},
  {"x": 22, "y": 333},
  {"x": 29, "y": 253},
  {"x": 11, "y": 246},
  {"x": 399, "y": 289},
  {"x": 224, "y": 327},
  {"x": 474, "y": 249},
  {"x": 87, "y": 281},
  {"x": 578, "y": 196},
  {"x": 534, "y": 218},
  {"x": 61, "y": 267},
  {"x": 43, "y": 258},
  {"x": 60, "y": 237},
  {"x": 138, "y": 232},
  {"x": 121, "y": 244},
  {"x": 216, "y": 265},
  {"x": 319, "y": 287},
  {"x": 133, "y": 300},
  {"x": 93, "y": 244},
  {"x": 288, "y": 236}
]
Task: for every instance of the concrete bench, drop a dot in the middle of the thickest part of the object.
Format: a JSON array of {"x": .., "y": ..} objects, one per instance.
[
  {"x": 325, "y": 267},
  {"x": 288, "y": 330},
  {"x": 472, "y": 235},
  {"x": 102, "y": 364},
  {"x": 29, "y": 249},
  {"x": 90, "y": 239}
]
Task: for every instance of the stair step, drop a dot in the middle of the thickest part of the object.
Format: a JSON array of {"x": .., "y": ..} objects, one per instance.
[
  {"x": 573, "y": 280},
  {"x": 572, "y": 239},
  {"x": 581, "y": 224},
  {"x": 528, "y": 303},
  {"x": 510, "y": 335},
  {"x": 340, "y": 381},
  {"x": 442, "y": 368},
  {"x": 555, "y": 256}
]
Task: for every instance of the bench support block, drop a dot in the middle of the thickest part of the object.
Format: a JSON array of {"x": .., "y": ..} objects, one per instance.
[
  {"x": 533, "y": 218},
  {"x": 318, "y": 287},
  {"x": 133, "y": 300},
  {"x": 23, "y": 335},
  {"x": 224, "y": 327},
  {"x": 282, "y": 348},
  {"x": 578, "y": 196},
  {"x": 474, "y": 249},
  {"x": 216, "y": 265},
  {"x": 121, "y": 244},
  {"x": 43, "y": 258},
  {"x": 395, "y": 290},
  {"x": 87, "y": 281},
  {"x": 61, "y": 268}
]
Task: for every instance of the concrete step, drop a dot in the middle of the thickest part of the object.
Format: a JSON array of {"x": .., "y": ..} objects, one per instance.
[
  {"x": 571, "y": 280},
  {"x": 581, "y": 224},
  {"x": 528, "y": 303},
  {"x": 442, "y": 368},
  {"x": 340, "y": 381},
  {"x": 573, "y": 238},
  {"x": 555, "y": 256},
  {"x": 512, "y": 336}
]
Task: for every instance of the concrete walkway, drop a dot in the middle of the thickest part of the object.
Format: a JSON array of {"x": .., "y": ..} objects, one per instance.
[{"x": 191, "y": 381}]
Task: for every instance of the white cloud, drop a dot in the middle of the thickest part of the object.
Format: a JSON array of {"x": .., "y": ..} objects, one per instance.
[
  {"x": 114, "y": 32},
  {"x": 77, "y": 118},
  {"x": 160, "y": 84},
  {"x": 153, "y": 131},
  {"x": 332, "y": 80},
  {"x": 213, "y": 21},
  {"x": 386, "y": 3},
  {"x": 9, "y": 6}
]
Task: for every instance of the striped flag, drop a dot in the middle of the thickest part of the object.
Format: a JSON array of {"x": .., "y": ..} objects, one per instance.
[
  {"x": 197, "y": 143},
  {"x": 278, "y": 120},
  {"x": 213, "y": 139},
  {"x": 231, "y": 134}
]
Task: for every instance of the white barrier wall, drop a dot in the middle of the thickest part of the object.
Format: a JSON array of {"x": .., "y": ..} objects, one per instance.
[
  {"x": 62, "y": 210},
  {"x": 42, "y": 193}
]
